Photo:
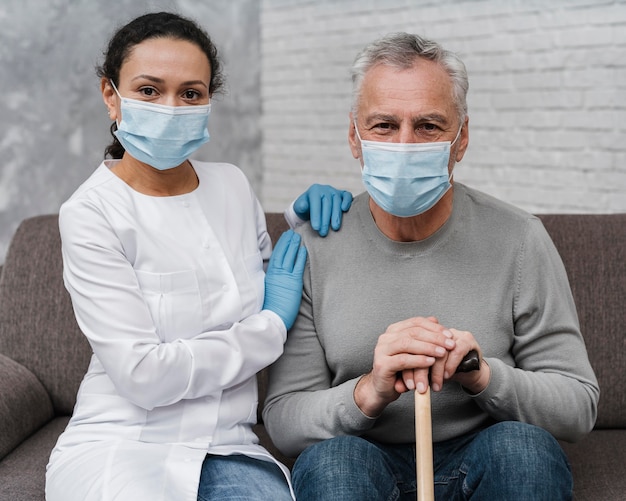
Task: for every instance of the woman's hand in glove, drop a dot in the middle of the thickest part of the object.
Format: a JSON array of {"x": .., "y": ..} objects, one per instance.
[
  {"x": 323, "y": 206},
  {"x": 283, "y": 278}
]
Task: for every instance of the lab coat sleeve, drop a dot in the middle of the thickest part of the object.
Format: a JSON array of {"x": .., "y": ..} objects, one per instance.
[
  {"x": 113, "y": 315},
  {"x": 292, "y": 218}
]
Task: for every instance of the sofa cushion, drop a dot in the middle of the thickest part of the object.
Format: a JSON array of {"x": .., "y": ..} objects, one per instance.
[
  {"x": 37, "y": 324},
  {"x": 597, "y": 466},
  {"x": 23, "y": 472},
  {"x": 24, "y": 404}
]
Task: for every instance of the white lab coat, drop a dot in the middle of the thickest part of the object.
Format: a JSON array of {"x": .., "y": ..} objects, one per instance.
[{"x": 168, "y": 291}]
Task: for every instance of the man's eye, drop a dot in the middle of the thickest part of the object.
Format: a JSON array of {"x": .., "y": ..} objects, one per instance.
[
  {"x": 383, "y": 126},
  {"x": 428, "y": 127}
]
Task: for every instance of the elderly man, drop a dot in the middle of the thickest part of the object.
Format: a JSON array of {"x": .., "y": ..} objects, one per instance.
[{"x": 423, "y": 271}]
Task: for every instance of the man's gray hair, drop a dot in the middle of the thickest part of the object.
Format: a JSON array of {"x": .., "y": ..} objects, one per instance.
[{"x": 400, "y": 50}]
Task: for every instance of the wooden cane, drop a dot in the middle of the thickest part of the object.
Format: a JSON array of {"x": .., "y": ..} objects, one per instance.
[
  {"x": 424, "y": 447},
  {"x": 424, "y": 434}
]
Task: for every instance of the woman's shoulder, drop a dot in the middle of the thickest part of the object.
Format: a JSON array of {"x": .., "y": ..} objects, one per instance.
[
  {"x": 221, "y": 176},
  {"x": 101, "y": 179},
  {"x": 217, "y": 169}
]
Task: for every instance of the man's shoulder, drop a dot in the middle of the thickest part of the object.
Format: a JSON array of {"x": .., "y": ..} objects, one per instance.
[
  {"x": 351, "y": 229},
  {"x": 488, "y": 207}
]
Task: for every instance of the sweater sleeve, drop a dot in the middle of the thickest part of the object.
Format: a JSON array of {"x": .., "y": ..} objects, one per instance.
[
  {"x": 552, "y": 384},
  {"x": 301, "y": 407}
]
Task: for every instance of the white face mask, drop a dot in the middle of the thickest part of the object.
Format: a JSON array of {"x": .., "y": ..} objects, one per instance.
[
  {"x": 406, "y": 179},
  {"x": 161, "y": 136}
]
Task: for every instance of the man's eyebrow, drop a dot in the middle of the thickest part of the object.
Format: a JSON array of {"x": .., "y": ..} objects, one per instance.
[
  {"x": 428, "y": 117},
  {"x": 381, "y": 117},
  {"x": 431, "y": 117}
]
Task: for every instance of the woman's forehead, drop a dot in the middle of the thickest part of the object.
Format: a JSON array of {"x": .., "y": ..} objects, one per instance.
[{"x": 166, "y": 59}]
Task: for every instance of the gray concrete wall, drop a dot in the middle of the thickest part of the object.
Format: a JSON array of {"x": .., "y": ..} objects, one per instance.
[{"x": 53, "y": 123}]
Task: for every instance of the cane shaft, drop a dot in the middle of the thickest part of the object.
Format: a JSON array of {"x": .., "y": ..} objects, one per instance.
[{"x": 424, "y": 447}]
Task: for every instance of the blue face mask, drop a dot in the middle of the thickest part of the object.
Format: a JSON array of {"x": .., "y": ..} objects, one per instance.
[
  {"x": 406, "y": 179},
  {"x": 161, "y": 136}
]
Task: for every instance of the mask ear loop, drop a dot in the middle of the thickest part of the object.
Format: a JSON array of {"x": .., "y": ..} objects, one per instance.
[
  {"x": 457, "y": 135},
  {"x": 356, "y": 129},
  {"x": 115, "y": 88},
  {"x": 118, "y": 95},
  {"x": 451, "y": 144}
]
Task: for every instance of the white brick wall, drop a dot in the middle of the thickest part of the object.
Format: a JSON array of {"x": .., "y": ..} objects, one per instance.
[{"x": 547, "y": 99}]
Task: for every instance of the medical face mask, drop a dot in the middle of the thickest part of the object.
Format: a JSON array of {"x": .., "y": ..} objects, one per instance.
[
  {"x": 161, "y": 136},
  {"x": 406, "y": 179}
]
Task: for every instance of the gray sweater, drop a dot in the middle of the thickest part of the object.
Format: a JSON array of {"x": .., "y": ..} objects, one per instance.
[{"x": 491, "y": 269}]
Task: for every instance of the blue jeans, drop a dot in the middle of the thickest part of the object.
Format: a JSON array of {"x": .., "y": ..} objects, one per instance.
[
  {"x": 240, "y": 478},
  {"x": 507, "y": 461}
]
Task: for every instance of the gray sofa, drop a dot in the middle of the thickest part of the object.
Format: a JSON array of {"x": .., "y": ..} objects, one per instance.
[{"x": 43, "y": 355}]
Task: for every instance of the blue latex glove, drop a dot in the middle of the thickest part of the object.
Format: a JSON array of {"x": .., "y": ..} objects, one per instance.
[
  {"x": 283, "y": 279},
  {"x": 323, "y": 205}
]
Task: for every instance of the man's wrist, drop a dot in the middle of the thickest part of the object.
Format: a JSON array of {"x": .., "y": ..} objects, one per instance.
[{"x": 363, "y": 400}]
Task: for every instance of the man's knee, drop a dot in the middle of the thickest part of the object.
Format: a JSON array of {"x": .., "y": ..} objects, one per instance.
[
  {"x": 344, "y": 468},
  {"x": 531, "y": 458},
  {"x": 329, "y": 455},
  {"x": 525, "y": 442}
]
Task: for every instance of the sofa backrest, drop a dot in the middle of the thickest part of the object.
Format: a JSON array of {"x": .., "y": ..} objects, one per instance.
[
  {"x": 37, "y": 324},
  {"x": 593, "y": 249},
  {"x": 38, "y": 329}
]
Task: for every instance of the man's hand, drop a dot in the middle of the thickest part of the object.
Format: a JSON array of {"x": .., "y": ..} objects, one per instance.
[
  {"x": 403, "y": 357},
  {"x": 473, "y": 381}
]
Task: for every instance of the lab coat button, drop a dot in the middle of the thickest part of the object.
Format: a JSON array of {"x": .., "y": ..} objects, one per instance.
[{"x": 185, "y": 204}]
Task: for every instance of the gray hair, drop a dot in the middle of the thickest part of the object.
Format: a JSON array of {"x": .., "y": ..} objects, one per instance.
[{"x": 400, "y": 50}]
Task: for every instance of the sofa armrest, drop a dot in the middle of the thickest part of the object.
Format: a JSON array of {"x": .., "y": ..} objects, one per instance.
[{"x": 25, "y": 406}]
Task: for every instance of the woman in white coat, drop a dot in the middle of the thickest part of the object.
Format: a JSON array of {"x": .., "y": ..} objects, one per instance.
[{"x": 164, "y": 261}]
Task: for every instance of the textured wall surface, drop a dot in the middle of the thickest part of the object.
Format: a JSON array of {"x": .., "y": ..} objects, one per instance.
[
  {"x": 547, "y": 99},
  {"x": 53, "y": 123},
  {"x": 547, "y": 94}
]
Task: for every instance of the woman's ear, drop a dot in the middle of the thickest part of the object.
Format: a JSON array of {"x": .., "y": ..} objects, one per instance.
[{"x": 109, "y": 96}]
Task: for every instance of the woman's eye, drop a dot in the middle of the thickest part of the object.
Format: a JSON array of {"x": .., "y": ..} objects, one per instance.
[
  {"x": 191, "y": 94},
  {"x": 148, "y": 91}
]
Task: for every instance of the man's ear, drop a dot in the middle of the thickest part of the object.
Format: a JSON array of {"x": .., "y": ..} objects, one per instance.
[
  {"x": 463, "y": 141},
  {"x": 353, "y": 140}
]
